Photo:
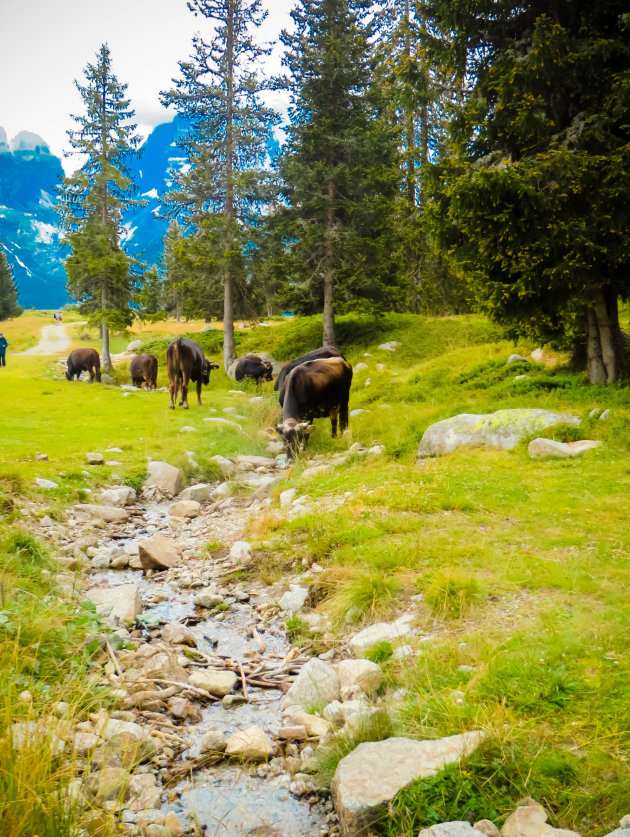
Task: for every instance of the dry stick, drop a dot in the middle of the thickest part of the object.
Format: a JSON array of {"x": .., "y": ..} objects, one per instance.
[
  {"x": 259, "y": 640},
  {"x": 243, "y": 682},
  {"x": 114, "y": 659},
  {"x": 183, "y": 686}
]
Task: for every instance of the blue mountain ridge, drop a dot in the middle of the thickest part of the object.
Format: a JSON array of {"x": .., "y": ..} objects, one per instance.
[{"x": 29, "y": 232}]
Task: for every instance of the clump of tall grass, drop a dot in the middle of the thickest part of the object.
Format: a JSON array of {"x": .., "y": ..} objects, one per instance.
[
  {"x": 366, "y": 594},
  {"x": 450, "y": 595}
]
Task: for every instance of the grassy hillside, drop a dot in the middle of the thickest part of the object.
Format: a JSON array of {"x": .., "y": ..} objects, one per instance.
[{"x": 517, "y": 570}]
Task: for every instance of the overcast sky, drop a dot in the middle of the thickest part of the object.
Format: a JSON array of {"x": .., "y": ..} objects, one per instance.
[{"x": 45, "y": 44}]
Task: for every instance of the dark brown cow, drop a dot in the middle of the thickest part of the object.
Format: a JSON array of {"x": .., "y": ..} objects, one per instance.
[
  {"x": 186, "y": 362},
  {"x": 84, "y": 360},
  {"x": 315, "y": 389},
  {"x": 251, "y": 366},
  {"x": 143, "y": 369},
  {"x": 316, "y": 354}
]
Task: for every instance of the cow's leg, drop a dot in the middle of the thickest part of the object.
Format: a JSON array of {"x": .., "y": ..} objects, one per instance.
[
  {"x": 92, "y": 374},
  {"x": 343, "y": 417},
  {"x": 184, "y": 401},
  {"x": 199, "y": 392},
  {"x": 333, "y": 421},
  {"x": 172, "y": 388}
]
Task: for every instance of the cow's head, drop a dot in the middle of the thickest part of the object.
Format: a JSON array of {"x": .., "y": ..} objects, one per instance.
[
  {"x": 207, "y": 368},
  {"x": 269, "y": 374},
  {"x": 294, "y": 434}
]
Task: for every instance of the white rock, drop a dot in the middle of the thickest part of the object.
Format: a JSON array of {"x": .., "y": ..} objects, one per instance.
[
  {"x": 110, "y": 514},
  {"x": 185, "y": 508},
  {"x": 315, "y": 471},
  {"x": 123, "y": 496},
  {"x": 187, "y": 428},
  {"x": 286, "y": 497},
  {"x": 122, "y": 602},
  {"x": 373, "y": 773},
  {"x": 213, "y": 741},
  {"x": 158, "y": 553},
  {"x": 516, "y": 359},
  {"x": 222, "y": 490},
  {"x": 178, "y": 634},
  {"x": 213, "y": 680},
  {"x": 537, "y": 355},
  {"x": 250, "y": 745},
  {"x": 226, "y": 422},
  {"x": 457, "y": 828},
  {"x": 314, "y": 725},
  {"x": 294, "y": 599},
  {"x": 241, "y": 551},
  {"x": 390, "y": 346},
  {"x": 528, "y": 820},
  {"x": 357, "y": 412},
  {"x": 226, "y": 465},
  {"x": 165, "y": 477},
  {"x": 539, "y": 448},
  {"x": 95, "y": 458},
  {"x": 380, "y": 367},
  {"x": 382, "y": 632},
  {"x": 317, "y": 683},
  {"x": 134, "y": 345},
  {"x": 604, "y": 415},
  {"x": 208, "y": 598},
  {"x": 362, "y": 673},
  {"x": 360, "y": 367}
]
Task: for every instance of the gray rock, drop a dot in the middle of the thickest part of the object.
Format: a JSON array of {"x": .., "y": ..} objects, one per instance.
[
  {"x": 361, "y": 367},
  {"x": 457, "y": 828},
  {"x": 317, "y": 683},
  {"x": 528, "y": 820},
  {"x": 390, "y": 346},
  {"x": 200, "y": 493},
  {"x": 213, "y": 680},
  {"x": 112, "y": 784},
  {"x": 503, "y": 429},
  {"x": 178, "y": 634},
  {"x": 516, "y": 359},
  {"x": 488, "y": 828},
  {"x": 95, "y": 458},
  {"x": 537, "y": 355},
  {"x": 294, "y": 599},
  {"x": 120, "y": 497},
  {"x": 227, "y": 422},
  {"x": 208, "y": 598},
  {"x": 382, "y": 632},
  {"x": 540, "y": 448},
  {"x": 109, "y": 514},
  {"x": 143, "y": 792},
  {"x": 241, "y": 551},
  {"x": 134, "y": 345},
  {"x": 226, "y": 465},
  {"x": 165, "y": 477},
  {"x": 185, "y": 508},
  {"x": 188, "y": 429},
  {"x": 122, "y": 602},
  {"x": 373, "y": 773},
  {"x": 158, "y": 553},
  {"x": 42, "y": 483},
  {"x": 357, "y": 412},
  {"x": 221, "y": 491},
  {"x": 100, "y": 561},
  {"x": 604, "y": 415},
  {"x": 286, "y": 497},
  {"x": 213, "y": 741},
  {"x": 41, "y": 457}
]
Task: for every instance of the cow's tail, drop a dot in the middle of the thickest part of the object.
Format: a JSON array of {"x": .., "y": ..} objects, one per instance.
[
  {"x": 174, "y": 369},
  {"x": 97, "y": 367}
]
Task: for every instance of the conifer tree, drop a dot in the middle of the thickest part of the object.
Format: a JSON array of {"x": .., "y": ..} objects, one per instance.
[
  {"x": 341, "y": 162},
  {"x": 534, "y": 205},
  {"x": 8, "y": 290},
  {"x": 225, "y": 187},
  {"x": 94, "y": 198}
]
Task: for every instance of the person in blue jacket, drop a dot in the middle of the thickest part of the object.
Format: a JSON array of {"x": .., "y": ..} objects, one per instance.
[{"x": 3, "y": 349}]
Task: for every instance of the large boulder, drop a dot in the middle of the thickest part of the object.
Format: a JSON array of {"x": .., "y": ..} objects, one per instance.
[
  {"x": 503, "y": 429},
  {"x": 213, "y": 680},
  {"x": 134, "y": 345},
  {"x": 226, "y": 465},
  {"x": 165, "y": 477},
  {"x": 316, "y": 684},
  {"x": 530, "y": 820},
  {"x": 158, "y": 553},
  {"x": 122, "y": 603},
  {"x": 373, "y": 773},
  {"x": 540, "y": 448},
  {"x": 185, "y": 508}
]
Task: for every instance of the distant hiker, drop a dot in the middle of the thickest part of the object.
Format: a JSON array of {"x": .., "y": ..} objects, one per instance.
[
  {"x": 60, "y": 317},
  {"x": 3, "y": 349},
  {"x": 55, "y": 316}
]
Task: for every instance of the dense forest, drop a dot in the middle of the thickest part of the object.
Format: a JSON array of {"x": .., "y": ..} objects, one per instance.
[{"x": 437, "y": 157}]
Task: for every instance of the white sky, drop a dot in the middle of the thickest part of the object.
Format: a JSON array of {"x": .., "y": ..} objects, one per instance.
[{"x": 45, "y": 44}]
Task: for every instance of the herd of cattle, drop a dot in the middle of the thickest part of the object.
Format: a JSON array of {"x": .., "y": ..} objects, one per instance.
[{"x": 315, "y": 385}]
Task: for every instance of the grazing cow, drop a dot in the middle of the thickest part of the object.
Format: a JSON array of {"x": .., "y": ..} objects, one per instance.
[
  {"x": 316, "y": 354},
  {"x": 251, "y": 366},
  {"x": 315, "y": 389},
  {"x": 143, "y": 370},
  {"x": 186, "y": 362},
  {"x": 84, "y": 360}
]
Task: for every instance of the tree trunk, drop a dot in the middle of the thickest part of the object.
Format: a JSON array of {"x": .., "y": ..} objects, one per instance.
[
  {"x": 106, "y": 360},
  {"x": 229, "y": 346},
  {"x": 411, "y": 123},
  {"x": 329, "y": 260},
  {"x": 605, "y": 351}
]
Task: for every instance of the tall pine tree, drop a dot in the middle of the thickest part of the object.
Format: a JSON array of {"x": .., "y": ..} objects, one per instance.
[
  {"x": 8, "y": 290},
  {"x": 223, "y": 191},
  {"x": 340, "y": 165},
  {"x": 94, "y": 199}
]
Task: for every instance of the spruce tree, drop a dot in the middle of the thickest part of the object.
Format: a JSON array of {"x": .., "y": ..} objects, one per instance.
[
  {"x": 94, "y": 199},
  {"x": 534, "y": 205},
  {"x": 8, "y": 290},
  {"x": 341, "y": 163},
  {"x": 223, "y": 191}
]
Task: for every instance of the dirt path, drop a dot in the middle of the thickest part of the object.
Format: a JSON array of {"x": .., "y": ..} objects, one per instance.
[{"x": 54, "y": 340}]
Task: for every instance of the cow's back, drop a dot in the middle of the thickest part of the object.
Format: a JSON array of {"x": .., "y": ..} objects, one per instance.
[
  {"x": 316, "y": 354},
  {"x": 317, "y": 385}
]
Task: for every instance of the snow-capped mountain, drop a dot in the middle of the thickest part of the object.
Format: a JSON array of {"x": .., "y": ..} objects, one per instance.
[{"x": 29, "y": 176}]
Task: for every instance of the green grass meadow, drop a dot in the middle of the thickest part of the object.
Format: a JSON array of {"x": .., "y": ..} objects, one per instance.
[{"x": 517, "y": 570}]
